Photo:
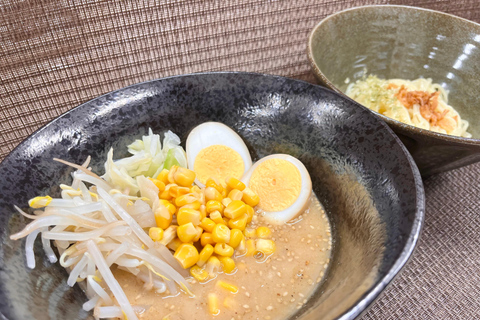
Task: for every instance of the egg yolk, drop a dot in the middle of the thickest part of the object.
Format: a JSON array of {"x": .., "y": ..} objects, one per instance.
[
  {"x": 218, "y": 161},
  {"x": 277, "y": 182}
]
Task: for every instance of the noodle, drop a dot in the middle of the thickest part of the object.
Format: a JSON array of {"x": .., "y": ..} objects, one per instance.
[{"x": 420, "y": 103}]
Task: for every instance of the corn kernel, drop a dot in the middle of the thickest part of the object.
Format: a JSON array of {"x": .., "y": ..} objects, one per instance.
[
  {"x": 195, "y": 189},
  {"x": 205, "y": 254},
  {"x": 264, "y": 232},
  {"x": 228, "y": 265},
  {"x": 163, "y": 217},
  {"x": 212, "y": 194},
  {"x": 226, "y": 202},
  {"x": 159, "y": 184},
  {"x": 265, "y": 246},
  {"x": 250, "y": 248},
  {"x": 186, "y": 215},
  {"x": 156, "y": 234},
  {"x": 195, "y": 205},
  {"x": 187, "y": 255},
  {"x": 187, "y": 232},
  {"x": 214, "y": 205},
  {"x": 221, "y": 233},
  {"x": 235, "y": 209},
  {"x": 250, "y": 197},
  {"x": 213, "y": 304},
  {"x": 186, "y": 199},
  {"x": 235, "y": 194},
  {"x": 236, "y": 237},
  {"x": 199, "y": 233},
  {"x": 176, "y": 191},
  {"x": 250, "y": 233},
  {"x": 214, "y": 184},
  {"x": 239, "y": 223},
  {"x": 171, "y": 174},
  {"x": 223, "y": 249},
  {"x": 184, "y": 177},
  {"x": 198, "y": 273},
  {"x": 213, "y": 266},
  {"x": 203, "y": 211},
  {"x": 165, "y": 194},
  {"x": 206, "y": 238},
  {"x": 227, "y": 286},
  {"x": 226, "y": 191},
  {"x": 201, "y": 197},
  {"x": 217, "y": 217},
  {"x": 163, "y": 176},
  {"x": 207, "y": 224},
  {"x": 242, "y": 248},
  {"x": 170, "y": 206},
  {"x": 250, "y": 213},
  {"x": 235, "y": 183},
  {"x": 169, "y": 235},
  {"x": 174, "y": 244}
]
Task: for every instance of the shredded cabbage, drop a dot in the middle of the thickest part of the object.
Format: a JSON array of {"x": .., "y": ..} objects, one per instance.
[{"x": 148, "y": 159}]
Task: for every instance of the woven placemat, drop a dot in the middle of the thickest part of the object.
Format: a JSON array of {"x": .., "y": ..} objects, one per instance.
[
  {"x": 442, "y": 279},
  {"x": 55, "y": 55}
]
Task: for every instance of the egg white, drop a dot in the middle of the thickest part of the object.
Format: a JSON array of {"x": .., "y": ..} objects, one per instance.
[
  {"x": 215, "y": 133},
  {"x": 303, "y": 200}
]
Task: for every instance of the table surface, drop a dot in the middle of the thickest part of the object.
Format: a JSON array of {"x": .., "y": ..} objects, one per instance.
[{"x": 56, "y": 55}]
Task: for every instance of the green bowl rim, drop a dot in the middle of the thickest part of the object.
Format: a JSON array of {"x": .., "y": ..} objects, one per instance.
[{"x": 403, "y": 127}]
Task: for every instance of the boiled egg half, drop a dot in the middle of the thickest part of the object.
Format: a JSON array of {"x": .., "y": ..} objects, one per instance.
[
  {"x": 283, "y": 184},
  {"x": 216, "y": 151}
]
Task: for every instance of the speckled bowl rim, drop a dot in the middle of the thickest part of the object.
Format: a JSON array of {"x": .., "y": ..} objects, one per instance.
[
  {"x": 417, "y": 224},
  {"x": 412, "y": 130}
]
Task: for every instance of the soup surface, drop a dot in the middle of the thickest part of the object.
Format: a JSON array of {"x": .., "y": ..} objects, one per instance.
[
  {"x": 251, "y": 246},
  {"x": 271, "y": 288}
]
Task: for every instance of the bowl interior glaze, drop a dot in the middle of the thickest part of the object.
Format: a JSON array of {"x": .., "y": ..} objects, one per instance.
[
  {"x": 407, "y": 43},
  {"x": 374, "y": 200}
]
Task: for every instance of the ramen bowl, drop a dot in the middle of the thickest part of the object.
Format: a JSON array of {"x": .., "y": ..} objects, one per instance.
[
  {"x": 407, "y": 43},
  {"x": 374, "y": 200}
]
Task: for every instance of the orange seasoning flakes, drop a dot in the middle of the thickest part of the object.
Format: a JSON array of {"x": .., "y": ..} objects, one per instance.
[{"x": 428, "y": 103}]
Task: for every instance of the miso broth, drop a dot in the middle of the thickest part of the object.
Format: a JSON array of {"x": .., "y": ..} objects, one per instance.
[
  {"x": 244, "y": 244},
  {"x": 268, "y": 288}
]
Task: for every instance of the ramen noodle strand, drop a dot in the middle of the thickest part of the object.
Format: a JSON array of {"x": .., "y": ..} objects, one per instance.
[{"x": 420, "y": 103}]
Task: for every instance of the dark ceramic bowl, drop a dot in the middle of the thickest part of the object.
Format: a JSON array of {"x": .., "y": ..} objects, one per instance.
[
  {"x": 365, "y": 178},
  {"x": 407, "y": 43}
]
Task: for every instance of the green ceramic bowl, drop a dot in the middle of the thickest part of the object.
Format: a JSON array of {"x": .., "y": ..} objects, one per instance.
[{"x": 408, "y": 43}]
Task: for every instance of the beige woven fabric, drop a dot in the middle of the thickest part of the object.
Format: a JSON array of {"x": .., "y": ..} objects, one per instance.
[
  {"x": 54, "y": 55},
  {"x": 442, "y": 279}
]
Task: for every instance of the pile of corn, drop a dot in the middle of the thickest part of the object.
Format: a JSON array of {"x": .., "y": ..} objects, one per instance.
[{"x": 207, "y": 226}]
